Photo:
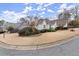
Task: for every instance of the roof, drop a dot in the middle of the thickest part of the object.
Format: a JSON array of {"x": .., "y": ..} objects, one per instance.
[
  {"x": 40, "y": 21},
  {"x": 52, "y": 22},
  {"x": 23, "y": 24},
  {"x": 62, "y": 22}
]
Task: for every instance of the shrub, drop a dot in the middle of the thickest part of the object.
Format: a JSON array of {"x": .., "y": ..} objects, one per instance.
[
  {"x": 27, "y": 31},
  {"x": 10, "y": 28},
  {"x": 2, "y": 32},
  {"x": 74, "y": 24},
  {"x": 47, "y": 30},
  {"x": 14, "y": 31},
  {"x": 53, "y": 30},
  {"x": 72, "y": 30},
  {"x": 65, "y": 28},
  {"x": 36, "y": 31},
  {"x": 43, "y": 31},
  {"x": 61, "y": 28}
]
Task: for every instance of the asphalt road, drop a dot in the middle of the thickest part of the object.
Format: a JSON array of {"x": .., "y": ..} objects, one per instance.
[{"x": 70, "y": 48}]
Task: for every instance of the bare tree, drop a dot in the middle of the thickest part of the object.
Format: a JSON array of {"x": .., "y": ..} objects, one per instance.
[
  {"x": 65, "y": 15},
  {"x": 76, "y": 13}
]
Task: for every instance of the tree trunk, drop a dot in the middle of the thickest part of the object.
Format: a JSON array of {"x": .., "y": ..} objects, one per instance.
[{"x": 33, "y": 29}]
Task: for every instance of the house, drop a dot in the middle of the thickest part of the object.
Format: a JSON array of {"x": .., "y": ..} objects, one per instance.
[
  {"x": 63, "y": 23},
  {"x": 42, "y": 24},
  {"x": 53, "y": 24},
  {"x": 47, "y": 24}
]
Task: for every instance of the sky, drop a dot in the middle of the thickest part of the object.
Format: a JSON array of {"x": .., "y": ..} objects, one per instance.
[{"x": 12, "y": 12}]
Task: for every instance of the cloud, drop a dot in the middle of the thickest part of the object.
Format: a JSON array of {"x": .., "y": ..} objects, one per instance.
[
  {"x": 63, "y": 6},
  {"x": 54, "y": 17},
  {"x": 51, "y": 11},
  {"x": 60, "y": 10},
  {"x": 11, "y": 15},
  {"x": 70, "y": 7},
  {"x": 43, "y": 13},
  {"x": 27, "y": 9},
  {"x": 40, "y": 7},
  {"x": 43, "y": 6},
  {"x": 46, "y": 5}
]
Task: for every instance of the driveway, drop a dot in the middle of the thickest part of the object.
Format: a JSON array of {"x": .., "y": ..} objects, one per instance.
[{"x": 66, "y": 49}]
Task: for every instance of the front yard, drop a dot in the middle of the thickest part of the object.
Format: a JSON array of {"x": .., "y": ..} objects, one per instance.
[{"x": 42, "y": 38}]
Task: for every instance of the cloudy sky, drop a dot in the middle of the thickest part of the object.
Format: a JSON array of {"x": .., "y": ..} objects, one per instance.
[{"x": 13, "y": 11}]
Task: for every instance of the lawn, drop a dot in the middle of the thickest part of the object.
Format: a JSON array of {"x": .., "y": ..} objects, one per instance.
[{"x": 42, "y": 38}]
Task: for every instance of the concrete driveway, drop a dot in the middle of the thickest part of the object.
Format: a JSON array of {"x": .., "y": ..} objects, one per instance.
[{"x": 66, "y": 49}]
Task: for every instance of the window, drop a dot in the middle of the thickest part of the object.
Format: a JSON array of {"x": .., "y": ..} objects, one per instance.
[
  {"x": 50, "y": 26},
  {"x": 44, "y": 26}
]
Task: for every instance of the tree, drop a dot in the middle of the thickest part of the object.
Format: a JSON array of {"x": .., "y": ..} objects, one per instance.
[
  {"x": 75, "y": 13},
  {"x": 27, "y": 31},
  {"x": 10, "y": 28},
  {"x": 65, "y": 15},
  {"x": 22, "y": 20},
  {"x": 2, "y": 22},
  {"x": 73, "y": 23},
  {"x": 60, "y": 16},
  {"x": 33, "y": 25}
]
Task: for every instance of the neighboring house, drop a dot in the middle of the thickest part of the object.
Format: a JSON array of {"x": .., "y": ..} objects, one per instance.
[
  {"x": 1, "y": 28},
  {"x": 5, "y": 25}
]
